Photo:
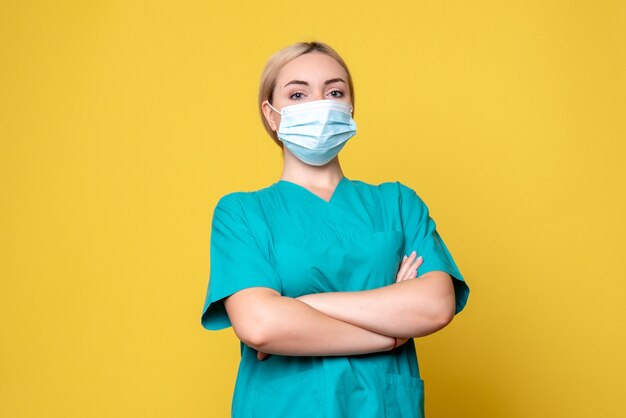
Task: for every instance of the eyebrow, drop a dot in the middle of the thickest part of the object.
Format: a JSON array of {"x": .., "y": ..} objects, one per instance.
[{"x": 327, "y": 82}]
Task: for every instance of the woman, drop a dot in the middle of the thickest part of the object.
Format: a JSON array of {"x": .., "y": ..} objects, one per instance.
[{"x": 314, "y": 272}]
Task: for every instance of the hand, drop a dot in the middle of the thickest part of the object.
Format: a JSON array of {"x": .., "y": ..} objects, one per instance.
[{"x": 408, "y": 267}]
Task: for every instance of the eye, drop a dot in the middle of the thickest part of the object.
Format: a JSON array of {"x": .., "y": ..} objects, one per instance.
[
  {"x": 296, "y": 96},
  {"x": 336, "y": 93}
]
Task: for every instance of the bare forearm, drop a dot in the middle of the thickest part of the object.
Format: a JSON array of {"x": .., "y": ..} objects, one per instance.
[
  {"x": 411, "y": 308},
  {"x": 287, "y": 326}
]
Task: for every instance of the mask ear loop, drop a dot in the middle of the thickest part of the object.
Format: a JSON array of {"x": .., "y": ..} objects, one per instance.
[{"x": 270, "y": 105}]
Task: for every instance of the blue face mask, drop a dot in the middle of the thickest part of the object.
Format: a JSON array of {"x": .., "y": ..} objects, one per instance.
[{"x": 316, "y": 131}]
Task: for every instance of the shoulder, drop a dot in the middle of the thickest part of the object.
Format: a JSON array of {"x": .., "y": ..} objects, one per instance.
[
  {"x": 396, "y": 196},
  {"x": 374, "y": 187},
  {"x": 243, "y": 201},
  {"x": 388, "y": 189}
]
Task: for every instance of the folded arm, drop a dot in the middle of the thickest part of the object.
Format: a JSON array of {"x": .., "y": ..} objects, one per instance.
[
  {"x": 408, "y": 308},
  {"x": 275, "y": 324}
]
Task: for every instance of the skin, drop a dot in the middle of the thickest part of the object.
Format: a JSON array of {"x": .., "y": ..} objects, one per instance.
[
  {"x": 335, "y": 323},
  {"x": 315, "y": 69}
]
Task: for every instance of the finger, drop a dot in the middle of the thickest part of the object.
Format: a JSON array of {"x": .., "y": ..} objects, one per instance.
[
  {"x": 412, "y": 271},
  {"x": 409, "y": 267},
  {"x": 261, "y": 356},
  {"x": 415, "y": 265},
  {"x": 405, "y": 266},
  {"x": 398, "y": 277}
]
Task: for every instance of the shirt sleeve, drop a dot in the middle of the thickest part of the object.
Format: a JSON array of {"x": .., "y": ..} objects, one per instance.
[
  {"x": 236, "y": 261},
  {"x": 420, "y": 234}
]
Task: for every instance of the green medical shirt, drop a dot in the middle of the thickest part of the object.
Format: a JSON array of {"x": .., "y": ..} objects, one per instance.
[{"x": 287, "y": 238}]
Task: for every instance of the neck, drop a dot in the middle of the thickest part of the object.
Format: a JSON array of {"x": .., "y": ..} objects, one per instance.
[{"x": 324, "y": 176}]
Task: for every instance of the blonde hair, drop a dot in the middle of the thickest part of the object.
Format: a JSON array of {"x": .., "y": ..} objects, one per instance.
[{"x": 279, "y": 60}]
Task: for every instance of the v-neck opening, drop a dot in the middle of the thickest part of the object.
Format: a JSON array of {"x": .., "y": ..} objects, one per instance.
[{"x": 332, "y": 196}]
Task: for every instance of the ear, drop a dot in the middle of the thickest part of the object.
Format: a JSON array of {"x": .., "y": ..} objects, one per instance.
[{"x": 270, "y": 115}]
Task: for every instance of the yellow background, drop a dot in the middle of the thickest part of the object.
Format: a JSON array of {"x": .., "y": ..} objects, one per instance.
[{"x": 123, "y": 122}]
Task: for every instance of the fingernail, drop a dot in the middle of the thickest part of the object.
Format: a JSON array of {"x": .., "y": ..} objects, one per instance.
[{"x": 420, "y": 258}]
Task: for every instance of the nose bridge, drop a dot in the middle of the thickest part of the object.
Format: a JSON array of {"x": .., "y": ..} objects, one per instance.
[{"x": 317, "y": 92}]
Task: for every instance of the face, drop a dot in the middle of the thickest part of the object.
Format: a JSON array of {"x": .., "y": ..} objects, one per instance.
[{"x": 313, "y": 76}]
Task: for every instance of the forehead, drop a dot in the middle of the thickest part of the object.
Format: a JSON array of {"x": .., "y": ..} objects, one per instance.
[{"x": 311, "y": 67}]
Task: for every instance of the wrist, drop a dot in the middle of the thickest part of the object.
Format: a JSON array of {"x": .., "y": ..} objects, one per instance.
[{"x": 395, "y": 343}]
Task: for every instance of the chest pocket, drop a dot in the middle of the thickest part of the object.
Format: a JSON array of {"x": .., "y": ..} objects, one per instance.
[{"x": 336, "y": 262}]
